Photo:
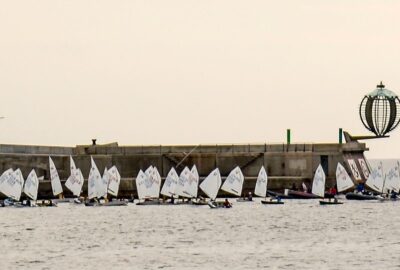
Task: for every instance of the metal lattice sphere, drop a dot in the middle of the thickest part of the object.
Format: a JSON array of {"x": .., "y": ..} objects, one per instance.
[{"x": 380, "y": 111}]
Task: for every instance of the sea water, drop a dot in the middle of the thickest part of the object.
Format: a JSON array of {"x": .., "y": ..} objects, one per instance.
[{"x": 297, "y": 235}]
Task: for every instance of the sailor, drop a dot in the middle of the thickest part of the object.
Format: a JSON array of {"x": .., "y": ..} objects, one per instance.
[
  {"x": 250, "y": 196},
  {"x": 360, "y": 188},
  {"x": 227, "y": 204},
  {"x": 294, "y": 187},
  {"x": 393, "y": 194}
]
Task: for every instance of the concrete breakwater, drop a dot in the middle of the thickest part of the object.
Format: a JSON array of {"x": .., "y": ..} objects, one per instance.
[{"x": 285, "y": 164}]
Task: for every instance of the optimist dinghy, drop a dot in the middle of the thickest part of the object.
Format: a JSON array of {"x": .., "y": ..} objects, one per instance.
[
  {"x": 98, "y": 187},
  {"x": 148, "y": 186},
  {"x": 261, "y": 188},
  {"x": 232, "y": 185},
  {"x": 318, "y": 187}
]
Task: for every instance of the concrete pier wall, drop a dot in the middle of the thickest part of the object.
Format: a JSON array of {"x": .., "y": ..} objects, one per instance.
[{"x": 285, "y": 164}]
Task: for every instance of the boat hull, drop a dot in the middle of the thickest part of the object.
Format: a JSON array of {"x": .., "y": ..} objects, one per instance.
[
  {"x": 302, "y": 195},
  {"x": 216, "y": 205},
  {"x": 329, "y": 202},
  {"x": 272, "y": 202},
  {"x": 360, "y": 197}
]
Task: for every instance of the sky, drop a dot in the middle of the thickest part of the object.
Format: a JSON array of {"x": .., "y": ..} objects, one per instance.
[{"x": 194, "y": 72}]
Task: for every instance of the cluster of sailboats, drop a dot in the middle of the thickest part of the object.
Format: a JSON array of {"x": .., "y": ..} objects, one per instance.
[{"x": 183, "y": 188}]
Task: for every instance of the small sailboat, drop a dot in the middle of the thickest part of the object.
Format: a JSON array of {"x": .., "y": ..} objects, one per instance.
[
  {"x": 343, "y": 180},
  {"x": 168, "y": 189},
  {"x": 318, "y": 187},
  {"x": 148, "y": 186},
  {"x": 210, "y": 186},
  {"x": 187, "y": 184},
  {"x": 98, "y": 187},
  {"x": 93, "y": 183},
  {"x": 232, "y": 185},
  {"x": 75, "y": 181},
  {"x": 375, "y": 182},
  {"x": 12, "y": 187},
  {"x": 261, "y": 188},
  {"x": 392, "y": 180},
  {"x": 31, "y": 187},
  {"x": 56, "y": 183}
]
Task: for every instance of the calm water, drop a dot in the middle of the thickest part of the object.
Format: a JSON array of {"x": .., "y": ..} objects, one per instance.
[{"x": 297, "y": 235}]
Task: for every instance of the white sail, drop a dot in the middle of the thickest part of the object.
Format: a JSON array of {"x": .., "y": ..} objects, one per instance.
[
  {"x": 211, "y": 184},
  {"x": 13, "y": 185},
  {"x": 261, "y": 184},
  {"x": 182, "y": 183},
  {"x": 4, "y": 176},
  {"x": 170, "y": 183},
  {"x": 392, "y": 180},
  {"x": 149, "y": 170},
  {"x": 148, "y": 186},
  {"x": 31, "y": 185},
  {"x": 93, "y": 180},
  {"x": 192, "y": 184},
  {"x": 114, "y": 181},
  {"x": 154, "y": 184},
  {"x": 318, "y": 186},
  {"x": 55, "y": 179},
  {"x": 103, "y": 185},
  {"x": 376, "y": 178},
  {"x": 75, "y": 181},
  {"x": 141, "y": 185},
  {"x": 234, "y": 182},
  {"x": 343, "y": 180}
]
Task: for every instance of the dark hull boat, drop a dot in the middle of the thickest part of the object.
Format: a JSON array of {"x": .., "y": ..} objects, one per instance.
[
  {"x": 301, "y": 195},
  {"x": 329, "y": 202},
  {"x": 361, "y": 197},
  {"x": 272, "y": 202}
]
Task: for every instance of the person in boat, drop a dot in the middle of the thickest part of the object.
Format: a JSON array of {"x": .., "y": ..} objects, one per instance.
[
  {"x": 172, "y": 200},
  {"x": 227, "y": 204},
  {"x": 393, "y": 194},
  {"x": 360, "y": 188},
  {"x": 250, "y": 196},
  {"x": 332, "y": 193}
]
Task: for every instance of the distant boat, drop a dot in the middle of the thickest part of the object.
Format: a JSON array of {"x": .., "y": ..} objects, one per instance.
[
  {"x": 343, "y": 180},
  {"x": 210, "y": 186},
  {"x": 148, "y": 186},
  {"x": 98, "y": 186},
  {"x": 234, "y": 182},
  {"x": 261, "y": 188},
  {"x": 232, "y": 185},
  {"x": 375, "y": 181},
  {"x": 170, "y": 183},
  {"x": 31, "y": 185},
  {"x": 75, "y": 181},
  {"x": 56, "y": 183},
  {"x": 187, "y": 186},
  {"x": 12, "y": 185},
  {"x": 318, "y": 187}
]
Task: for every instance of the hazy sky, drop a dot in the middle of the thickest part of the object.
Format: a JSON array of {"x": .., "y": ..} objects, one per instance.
[{"x": 194, "y": 72}]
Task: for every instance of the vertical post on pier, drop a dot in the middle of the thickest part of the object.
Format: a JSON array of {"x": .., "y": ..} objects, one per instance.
[
  {"x": 288, "y": 135},
  {"x": 340, "y": 135}
]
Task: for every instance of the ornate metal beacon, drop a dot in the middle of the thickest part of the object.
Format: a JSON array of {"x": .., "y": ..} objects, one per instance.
[{"x": 379, "y": 113}]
